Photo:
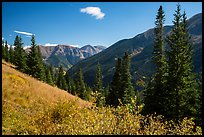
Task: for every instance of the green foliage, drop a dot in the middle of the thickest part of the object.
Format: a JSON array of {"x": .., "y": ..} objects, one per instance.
[
  {"x": 156, "y": 91},
  {"x": 121, "y": 85},
  {"x": 116, "y": 84},
  {"x": 98, "y": 86},
  {"x": 11, "y": 55},
  {"x": 70, "y": 83},
  {"x": 3, "y": 50},
  {"x": 127, "y": 87},
  {"x": 48, "y": 76},
  {"x": 6, "y": 52},
  {"x": 181, "y": 80},
  {"x": 40, "y": 66},
  {"x": 172, "y": 90},
  {"x": 80, "y": 85},
  {"x": 19, "y": 55},
  {"x": 34, "y": 62},
  {"x": 61, "y": 82}
]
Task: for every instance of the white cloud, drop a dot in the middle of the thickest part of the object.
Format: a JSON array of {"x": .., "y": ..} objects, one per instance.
[
  {"x": 49, "y": 44},
  {"x": 94, "y": 11},
  {"x": 10, "y": 35},
  {"x": 2, "y": 38},
  {"x": 25, "y": 33},
  {"x": 28, "y": 36}
]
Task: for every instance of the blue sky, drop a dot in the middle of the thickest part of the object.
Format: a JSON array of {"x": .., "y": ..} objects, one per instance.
[{"x": 82, "y": 23}]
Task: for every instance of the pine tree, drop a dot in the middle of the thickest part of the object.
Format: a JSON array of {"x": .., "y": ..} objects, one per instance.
[
  {"x": 7, "y": 57},
  {"x": 116, "y": 84},
  {"x": 32, "y": 59},
  {"x": 48, "y": 76},
  {"x": 61, "y": 82},
  {"x": 41, "y": 67},
  {"x": 181, "y": 84},
  {"x": 69, "y": 83},
  {"x": 80, "y": 85},
  {"x": 127, "y": 91},
  {"x": 52, "y": 73},
  {"x": 3, "y": 50},
  {"x": 98, "y": 86},
  {"x": 106, "y": 93},
  {"x": 198, "y": 102},
  {"x": 155, "y": 92},
  {"x": 19, "y": 55},
  {"x": 11, "y": 54},
  {"x": 34, "y": 62}
]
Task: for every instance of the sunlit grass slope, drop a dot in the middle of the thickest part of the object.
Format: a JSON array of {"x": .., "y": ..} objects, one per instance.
[{"x": 24, "y": 96}]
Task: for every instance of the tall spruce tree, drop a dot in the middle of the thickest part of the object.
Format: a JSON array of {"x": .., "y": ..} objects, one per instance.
[
  {"x": 116, "y": 85},
  {"x": 155, "y": 97},
  {"x": 32, "y": 59},
  {"x": 127, "y": 91},
  {"x": 98, "y": 86},
  {"x": 52, "y": 72},
  {"x": 48, "y": 76},
  {"x": 61, "y": 82},
  {"x": 69, "y": 83},
  {"x": 6, "y": 50},
  {"x": 34, "y": 62},
  {"x": 181, "y": 83},
  {"x": 19, "y": 55},
  {"x": 3, "y": 50},
  {"x": 80, "y": 85},
  {"x": 41, "y": 66},
  {"x": 11, "y": 54}
]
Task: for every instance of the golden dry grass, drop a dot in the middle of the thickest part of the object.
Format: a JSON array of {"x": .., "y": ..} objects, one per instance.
[{"x": 17, "y": 85}]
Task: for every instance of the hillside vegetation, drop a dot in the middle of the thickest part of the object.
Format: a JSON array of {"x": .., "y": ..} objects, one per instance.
[{"x": 32, "y": 107}]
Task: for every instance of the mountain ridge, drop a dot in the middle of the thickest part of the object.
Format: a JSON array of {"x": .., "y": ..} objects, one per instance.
[
  {"x": 67, "y": 55},
  {"x": 140, "y": 47}
]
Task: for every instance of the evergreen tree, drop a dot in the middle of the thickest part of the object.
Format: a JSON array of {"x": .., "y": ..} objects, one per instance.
[
  {"x": 198, "y": 115},
  {"x": 32, "y": 59},
  {"x": 52, "y": 73},
  {"x": 40, "y": 66},
  {"x": 61, "y": 82},
  {"x": 11, "y": 54},
  {"x": 34, "y": 62},
  {"x": 48, "y": 76},
  {"x": 3, "y": 50},
  {"x": 181, "y": 81},
  {"x": 116, "y": 84},
  {"x": 155, "y": 92},
  {"x": 106, "y": 93},
  {"x": 19, "y": 55},
  {"x": 69, "y": 83},
  {"x": 6, "y": 50},
  {"x": 98, "y": 86},
  {"x": 127, "y": 91},
  {"x": 80, "y": 85}
]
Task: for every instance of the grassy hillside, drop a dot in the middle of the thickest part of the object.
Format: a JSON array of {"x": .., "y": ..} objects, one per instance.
[
  {"x": 23, "y": 97},
  {"x": 35, "y": 108}
]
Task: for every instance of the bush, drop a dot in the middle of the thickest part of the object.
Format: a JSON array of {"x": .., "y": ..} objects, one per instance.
[{"x": 67, "y": 118}]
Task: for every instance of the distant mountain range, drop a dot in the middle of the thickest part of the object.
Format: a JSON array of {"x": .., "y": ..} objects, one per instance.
[
  {"x": 140, "y": 47},
  {"x": 67, "y": 55}
]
